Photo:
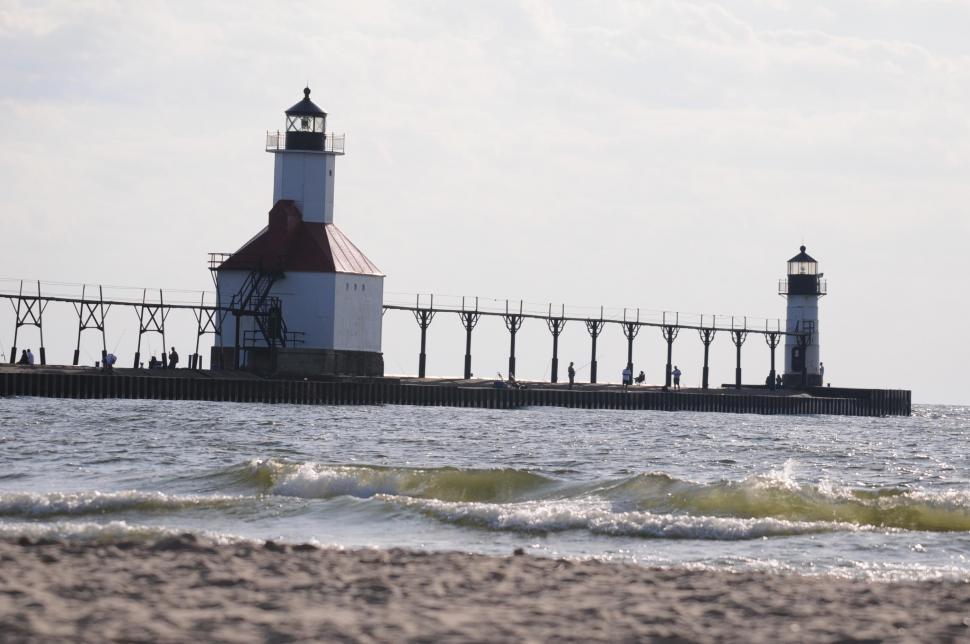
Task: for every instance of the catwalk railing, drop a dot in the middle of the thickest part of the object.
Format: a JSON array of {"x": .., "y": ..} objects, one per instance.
[{"x": 92, "y": 303}]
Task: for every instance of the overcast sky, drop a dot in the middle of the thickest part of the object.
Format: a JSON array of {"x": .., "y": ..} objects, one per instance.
[{"x": 665, "y": 155}]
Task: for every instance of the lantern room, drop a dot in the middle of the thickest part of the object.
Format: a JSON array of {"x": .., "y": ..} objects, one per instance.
[
  {"x": 803, "y": 276},
  {"x": 306, "y": 125},
  {"x": 802, "y": 264}
]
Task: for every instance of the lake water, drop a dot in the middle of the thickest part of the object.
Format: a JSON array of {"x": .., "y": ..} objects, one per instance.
[{"x": 879, "y": 498}]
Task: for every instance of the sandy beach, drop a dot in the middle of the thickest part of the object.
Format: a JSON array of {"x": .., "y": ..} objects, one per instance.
[{"x": 179, "y": 589}]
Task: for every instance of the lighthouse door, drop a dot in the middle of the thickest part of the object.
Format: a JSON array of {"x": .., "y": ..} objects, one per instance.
[{"x": 797, "y": 359}]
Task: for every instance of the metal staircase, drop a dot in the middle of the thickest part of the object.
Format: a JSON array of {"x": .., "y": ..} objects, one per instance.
[{"x": 254, "y": 300}]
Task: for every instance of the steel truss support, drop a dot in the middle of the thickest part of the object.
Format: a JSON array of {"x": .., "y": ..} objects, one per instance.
[
  {"x": 595, "y": 327},
  {"x": 738, "y": 337},
  {"x": 151, "y": 319},
  {"x": 556, "y": 325},
  {"x": 91, "y": 314},
  {"x": 29, "y": 312},
  {"x": 513, "y": 322},
  {"x": 469, "y": 319},
  {"x": 772, "y": 339},
  {"x": 208, "y": 320},
  {"x": 423, "y": 318},
  {"x": 630, "y": 331},
  {"x": 669, "y": 332},
  {"x": 707, "y": 336}
]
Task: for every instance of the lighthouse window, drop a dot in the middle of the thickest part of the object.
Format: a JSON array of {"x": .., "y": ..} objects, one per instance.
[
  {"x": 347, "y": 285},
  {"x": 355, "y": 287},
  {"x": 304, "y": 123}
]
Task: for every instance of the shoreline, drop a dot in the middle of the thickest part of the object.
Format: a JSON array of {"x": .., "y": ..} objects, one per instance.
[{"x": 181, "y": 588}]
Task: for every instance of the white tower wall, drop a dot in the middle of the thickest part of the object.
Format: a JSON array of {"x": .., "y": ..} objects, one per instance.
[
  {"x": 333, "y": 310},
  {"x": 359, "y": 299},
  {"x": 305, "y": 177},
  {"x": 803, "y": 316}
]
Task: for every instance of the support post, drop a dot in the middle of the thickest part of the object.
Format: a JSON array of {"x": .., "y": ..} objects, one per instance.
[
  {"x": 208, "y": 320},
  {"x": 772, "y": 338},
  {"x": 707, "y": 336},
  {"x": 513, "y": 322},
  {"x": 91, "y": 315},
  {"x": 630, "y": 331},
  {"x": 738, "y": 336},
  {"x": 595, "y": 327},
  {"x": 153, "y": 323},
  {"x": 16, "y": 328},
  {"x": 669, "y": 332},
  {"x": 29, "y": 311},
  {"x": 469, "y": 319},
  {"x": 556, "y": 326},
  {"x": 40, "y": 325},
  {"x": 423, "y": 318}
]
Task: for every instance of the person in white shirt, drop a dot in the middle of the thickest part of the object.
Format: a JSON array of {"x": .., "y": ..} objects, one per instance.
[
  {"x": 627, "y": 376},
  {"x": 30, "y": 357},
  {"x": 676, "y": 373}
]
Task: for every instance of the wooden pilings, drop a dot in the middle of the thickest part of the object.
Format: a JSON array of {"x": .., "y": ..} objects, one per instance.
[{"x": 90, "y": 384}]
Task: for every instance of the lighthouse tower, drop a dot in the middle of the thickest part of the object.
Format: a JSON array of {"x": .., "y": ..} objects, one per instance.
[
  {"x": 302, "y": 299},
  {"x": 803, "y": 287}
]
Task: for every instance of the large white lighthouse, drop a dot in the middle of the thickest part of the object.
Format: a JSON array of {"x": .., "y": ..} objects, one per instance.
[
  {"x": 803, "y": 288},
  {"x": 301, "y": 298}
]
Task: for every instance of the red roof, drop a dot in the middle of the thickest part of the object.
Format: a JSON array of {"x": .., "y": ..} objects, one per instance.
[{"x": 290, "y": 244}]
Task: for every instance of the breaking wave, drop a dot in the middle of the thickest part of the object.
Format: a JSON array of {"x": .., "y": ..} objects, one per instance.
[
  {"x": 29, "y": 504},
  {"x": 559, "y": 516},
  {"x": 315, "y": 481},
  {"x": 780, "y": 504}
]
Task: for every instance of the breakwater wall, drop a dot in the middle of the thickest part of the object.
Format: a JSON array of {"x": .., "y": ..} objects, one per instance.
[{"x": 390, "y": 391}]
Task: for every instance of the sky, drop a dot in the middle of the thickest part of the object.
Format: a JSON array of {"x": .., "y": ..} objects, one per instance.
[{"x": 667, "y": 155}]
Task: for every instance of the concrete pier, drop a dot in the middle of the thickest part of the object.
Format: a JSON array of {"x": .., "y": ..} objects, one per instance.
[{"x": 243, "y": 387}]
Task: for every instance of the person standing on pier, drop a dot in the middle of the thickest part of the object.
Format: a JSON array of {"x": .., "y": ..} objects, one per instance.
[
  {"x": 627, "y": 377},
  {"x": 821, "y": 373},
  {"x": 173, "y": 358},
  {"x": 572, "y": 374},
  {"x": 676, "y": 373}
]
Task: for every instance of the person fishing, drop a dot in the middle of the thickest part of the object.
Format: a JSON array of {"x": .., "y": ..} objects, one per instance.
[{"x": 572, "y": 374}]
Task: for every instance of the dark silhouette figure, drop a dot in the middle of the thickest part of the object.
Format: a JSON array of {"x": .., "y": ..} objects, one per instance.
[
  {"x": 641, "y": 378},
  {"x": 676, "y": 374},
  {"x": 23, "y": 357},
  {"x": 173, "y": 358},
  {"x": 572, "y": 374}
]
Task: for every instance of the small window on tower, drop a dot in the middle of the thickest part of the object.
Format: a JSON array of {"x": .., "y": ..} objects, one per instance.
[
  {"x": 362, "y": 286},
  {"x": 355, "y": 287},
  {"x": 331, "y": 173},
  {"x": 347, "y": 285}
]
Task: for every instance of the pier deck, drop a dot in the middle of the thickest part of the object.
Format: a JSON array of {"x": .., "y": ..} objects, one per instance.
[{"x": 240, "y": 386}]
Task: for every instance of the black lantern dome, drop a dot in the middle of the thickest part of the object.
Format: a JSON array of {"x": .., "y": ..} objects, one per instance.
[
  {"x": 803, "y": 276},
  {"x": 306, "y": 125},
  {"x": 802, "y": 264}
]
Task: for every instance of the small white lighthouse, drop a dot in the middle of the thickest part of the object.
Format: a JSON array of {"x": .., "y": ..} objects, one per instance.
[
  {"x": 302, "y": 299},
  {"x": 803, "y": 288}
]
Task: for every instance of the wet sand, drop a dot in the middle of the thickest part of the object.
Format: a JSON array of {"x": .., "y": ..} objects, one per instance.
[{"x": 180, "y": 589}]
